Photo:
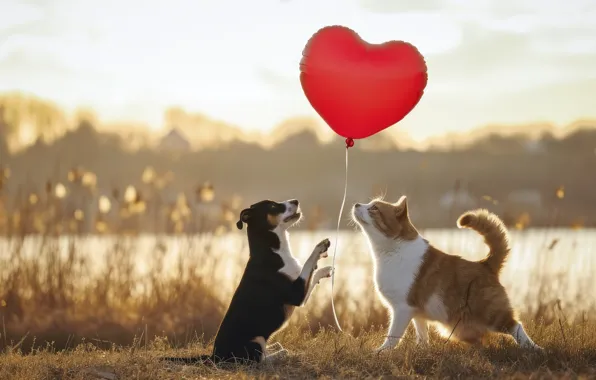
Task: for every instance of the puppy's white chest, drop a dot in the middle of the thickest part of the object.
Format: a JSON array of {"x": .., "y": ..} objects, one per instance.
[{"x": 291, "y": 268}]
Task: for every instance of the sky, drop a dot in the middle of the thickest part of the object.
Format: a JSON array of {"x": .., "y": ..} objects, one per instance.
[{"x": 489, "y": 61}]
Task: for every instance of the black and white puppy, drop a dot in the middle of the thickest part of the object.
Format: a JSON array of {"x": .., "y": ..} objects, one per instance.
[{"x": 273, "y": 284}]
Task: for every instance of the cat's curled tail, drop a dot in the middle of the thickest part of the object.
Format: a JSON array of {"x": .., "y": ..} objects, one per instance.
[{"x": 495, "y": 236}]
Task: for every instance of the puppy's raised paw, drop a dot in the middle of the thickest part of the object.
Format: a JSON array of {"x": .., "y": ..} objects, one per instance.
[
  {"x": 323, "y": 247},
  {"x": 325, "y": 272}
]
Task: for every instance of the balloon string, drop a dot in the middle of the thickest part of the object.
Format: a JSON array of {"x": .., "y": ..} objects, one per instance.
[{"x": 343, "y": 202}]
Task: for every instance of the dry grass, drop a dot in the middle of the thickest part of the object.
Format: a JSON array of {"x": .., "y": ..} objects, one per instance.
[{"x": 570, "y": 353}]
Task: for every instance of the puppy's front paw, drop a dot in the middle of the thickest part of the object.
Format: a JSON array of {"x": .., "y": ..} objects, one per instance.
[
  {"x": 322, "y": 248},
  {"x": 325, "y": 272}
]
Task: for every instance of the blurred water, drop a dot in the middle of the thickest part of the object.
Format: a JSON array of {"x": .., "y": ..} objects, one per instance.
[{"x": 533, "y": 272}]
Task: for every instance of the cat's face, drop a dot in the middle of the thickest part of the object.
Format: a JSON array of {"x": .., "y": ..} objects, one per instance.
[{"x": 384, "y": 220}]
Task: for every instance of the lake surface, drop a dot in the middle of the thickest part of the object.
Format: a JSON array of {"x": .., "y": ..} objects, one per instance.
[{"x": 544, "y": 265}]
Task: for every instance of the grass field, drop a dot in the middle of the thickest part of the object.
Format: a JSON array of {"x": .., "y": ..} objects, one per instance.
[
  {"x": 70, "y": 310},
  {"x": 570, "y": 353}
]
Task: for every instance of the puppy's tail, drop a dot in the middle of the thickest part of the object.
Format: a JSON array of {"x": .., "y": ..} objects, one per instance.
[
  {"x": 192, "y": 360},
  {"x": 495, "y": 235}
]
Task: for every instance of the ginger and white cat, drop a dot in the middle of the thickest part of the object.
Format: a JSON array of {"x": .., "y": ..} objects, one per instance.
[{"x": 419, "y": 283}]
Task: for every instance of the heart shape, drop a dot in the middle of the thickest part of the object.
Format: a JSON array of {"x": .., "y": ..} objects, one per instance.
[{"x": 360, "y": 88}]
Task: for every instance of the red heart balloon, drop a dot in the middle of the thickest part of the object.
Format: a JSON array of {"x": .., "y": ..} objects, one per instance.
[{"x": 360, "y": 88}]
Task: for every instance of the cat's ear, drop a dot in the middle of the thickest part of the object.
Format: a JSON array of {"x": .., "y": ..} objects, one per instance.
[
  {"x": 244, "y": 218},
  {"x": 401, "y": 206}
]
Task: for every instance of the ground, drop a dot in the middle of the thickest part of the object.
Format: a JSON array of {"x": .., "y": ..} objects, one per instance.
[{"x": 570, "y": 352}]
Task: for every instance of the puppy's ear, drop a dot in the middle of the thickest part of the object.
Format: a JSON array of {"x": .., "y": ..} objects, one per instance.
[{"x": 244, "y": 218}]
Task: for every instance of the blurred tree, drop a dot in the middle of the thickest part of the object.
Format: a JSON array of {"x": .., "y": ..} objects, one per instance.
[
  {"x": 35, "y": 117},
  {"x": 3, "y": 135},
  {"x": 83, "y": 114}
]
